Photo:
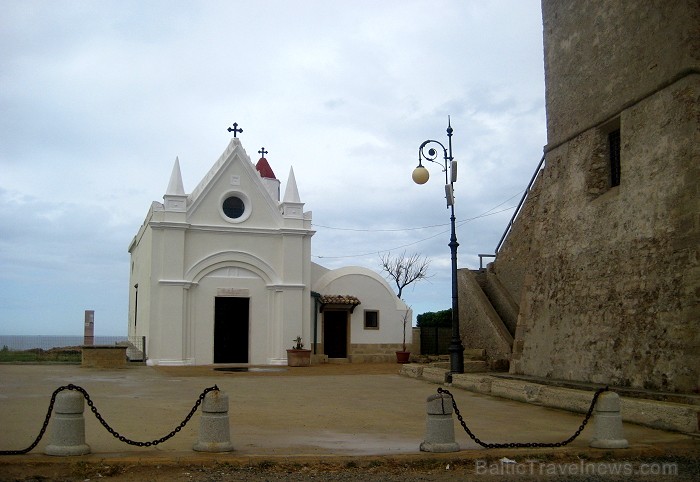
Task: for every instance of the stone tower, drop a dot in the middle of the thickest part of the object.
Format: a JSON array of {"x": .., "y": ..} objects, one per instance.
[{"x": 602, "y": 262}]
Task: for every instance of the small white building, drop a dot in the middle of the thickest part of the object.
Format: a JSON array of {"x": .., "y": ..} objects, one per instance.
[{"x": 224, "y": 275}]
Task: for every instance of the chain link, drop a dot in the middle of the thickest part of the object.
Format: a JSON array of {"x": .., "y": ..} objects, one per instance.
[
  {"x": 99, "y": 417},
  {"x": 182, "y": 424},
  {"x": 513, "y": 445}
]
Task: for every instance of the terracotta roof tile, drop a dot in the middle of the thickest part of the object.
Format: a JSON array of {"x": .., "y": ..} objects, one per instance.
[
  {"x": 339, "y": 300},
  {"x": 264, "y": 169}
]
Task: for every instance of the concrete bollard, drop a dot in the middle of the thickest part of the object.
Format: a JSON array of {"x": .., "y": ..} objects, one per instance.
[
  {"x": 607, "y": 423},
  {"x": 68, "y": 425},
  {"x": 214, "y": 433},
  {"x": 439, "y": 427}
]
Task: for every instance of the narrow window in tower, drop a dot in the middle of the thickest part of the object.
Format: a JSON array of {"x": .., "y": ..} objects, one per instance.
[
  {"x": 136, "y": 303},
  {"x": 614, "y": 157}
]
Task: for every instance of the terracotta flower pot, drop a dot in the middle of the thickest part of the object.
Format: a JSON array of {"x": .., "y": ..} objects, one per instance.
[
  {"x": 402, "y": 356},
  {"x": 298, "y": 358}
]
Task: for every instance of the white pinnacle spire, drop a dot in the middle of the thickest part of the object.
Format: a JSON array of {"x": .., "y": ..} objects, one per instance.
[
  {"x": 175, "y": 186},
  {"x": 291, "y": 192}
]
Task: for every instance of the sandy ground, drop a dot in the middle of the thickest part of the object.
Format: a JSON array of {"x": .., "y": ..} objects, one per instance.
[{"x": 324, "y": 422}]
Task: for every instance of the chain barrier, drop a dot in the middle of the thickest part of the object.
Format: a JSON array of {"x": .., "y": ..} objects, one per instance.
[
  {"x": 524, "y": 444},
  {"x": 99, "y": 417}
]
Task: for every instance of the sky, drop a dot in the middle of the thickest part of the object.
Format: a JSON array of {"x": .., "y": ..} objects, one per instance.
[{"x": 99, "y": 97}]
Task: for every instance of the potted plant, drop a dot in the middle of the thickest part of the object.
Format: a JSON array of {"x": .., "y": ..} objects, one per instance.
[
  {"x": 297, "y": 356},
  {"x": 403, "y": 355}
]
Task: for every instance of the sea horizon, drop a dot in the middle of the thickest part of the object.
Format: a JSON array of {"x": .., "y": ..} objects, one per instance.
[{"x": 46, "y": 342}]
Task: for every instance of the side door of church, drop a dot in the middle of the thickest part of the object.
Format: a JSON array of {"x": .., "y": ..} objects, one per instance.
[
  {"x": 335, "y": 333},
  {"x": 231, "y": 329}
]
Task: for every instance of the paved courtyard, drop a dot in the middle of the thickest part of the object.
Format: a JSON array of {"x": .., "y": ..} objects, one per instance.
[
  {"x": 285, "y": 413},
  {"x": 324, "y": 409}
]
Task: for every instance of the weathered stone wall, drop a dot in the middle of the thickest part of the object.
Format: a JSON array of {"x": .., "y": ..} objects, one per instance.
[
  {"x": 375, "y": 348},
  {"x": 480, "y": 327},
  {"x": 373, "y": 352},
  {"x": 608, "y": 278},
  {"x": 499, "y": 297},
  {"x": 600, "y": 55},
  {"x": 520, "y": 248},
  {"x": 100, "y": 356},
  {"x": 415, "y": 341}
]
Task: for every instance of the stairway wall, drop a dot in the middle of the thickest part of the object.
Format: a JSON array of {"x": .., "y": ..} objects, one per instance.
[
  {"x": 480, "y": 326},
  {"x": 499, "y": 297}
]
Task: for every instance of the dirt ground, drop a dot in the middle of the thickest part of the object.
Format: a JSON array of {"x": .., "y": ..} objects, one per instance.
[{"x": 559, "y": 467}]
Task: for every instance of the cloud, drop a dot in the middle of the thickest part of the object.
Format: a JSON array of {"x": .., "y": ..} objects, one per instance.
[
  {"x": 100, "y": 97},
  {"x": 56, "y": 260}
]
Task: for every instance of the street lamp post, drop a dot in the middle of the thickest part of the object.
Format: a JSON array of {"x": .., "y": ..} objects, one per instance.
[{"x": 420, "y": 176}]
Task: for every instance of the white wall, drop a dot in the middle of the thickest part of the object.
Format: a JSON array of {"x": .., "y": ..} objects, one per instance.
[{"x": 374, "y": 293}]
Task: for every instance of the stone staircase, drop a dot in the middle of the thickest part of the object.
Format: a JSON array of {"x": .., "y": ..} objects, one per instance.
[
  {"x": 501, "y": 301},
  {"x": 133, "y": 353},
  {"x": 488, "y": 316}
]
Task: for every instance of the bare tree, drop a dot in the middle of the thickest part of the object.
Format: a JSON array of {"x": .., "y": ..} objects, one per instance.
[{"x": 404, "y": 270}]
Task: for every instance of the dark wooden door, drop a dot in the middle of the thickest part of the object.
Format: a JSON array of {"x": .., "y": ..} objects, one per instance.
[
  {"x": 231, "y": 327},
  {"x": 335, "y": 334}
]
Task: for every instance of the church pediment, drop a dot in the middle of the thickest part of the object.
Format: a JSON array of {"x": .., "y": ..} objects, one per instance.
[{"x": 232, "y": 194}]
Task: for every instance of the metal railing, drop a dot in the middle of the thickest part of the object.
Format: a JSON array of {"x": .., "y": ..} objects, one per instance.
[
  {"x": 520, "y": 204},
  {"x": 435, "y": 340},
  {"x": 481, "y": 259}
]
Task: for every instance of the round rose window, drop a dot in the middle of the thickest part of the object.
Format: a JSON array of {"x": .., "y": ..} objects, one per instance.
[{"x": 233, "y": 207}]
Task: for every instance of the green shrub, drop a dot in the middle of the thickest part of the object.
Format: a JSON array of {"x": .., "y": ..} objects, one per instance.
[
  {"x": 435, "y": 318},
  {"x": 37, "y": 355}
]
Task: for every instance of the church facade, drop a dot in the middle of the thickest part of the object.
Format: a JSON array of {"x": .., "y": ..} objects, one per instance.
[{"x": 224, "y": 275}]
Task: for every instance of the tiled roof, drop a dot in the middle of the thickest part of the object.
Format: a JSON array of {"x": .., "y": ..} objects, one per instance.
[
  {"x": 339, "y": 300},
  {"x": 264, "y": 169}
]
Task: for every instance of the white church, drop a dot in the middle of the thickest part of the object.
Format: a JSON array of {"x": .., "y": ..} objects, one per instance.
[{"x": 224, "y": 275}]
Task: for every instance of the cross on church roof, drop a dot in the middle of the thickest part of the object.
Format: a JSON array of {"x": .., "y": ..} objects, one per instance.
[
  {"x": 262, "y": 152},
  {"x": 235, "y": 129}
]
